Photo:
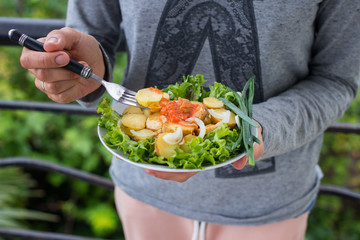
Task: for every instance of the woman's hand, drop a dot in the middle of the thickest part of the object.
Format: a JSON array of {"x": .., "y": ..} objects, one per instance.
[
  {"x": 59, "y": 84},
  {"x": 173, "y": 176}
]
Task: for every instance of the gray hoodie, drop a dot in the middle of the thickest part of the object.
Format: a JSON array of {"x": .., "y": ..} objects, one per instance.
[{"x": 305, "y": 55}]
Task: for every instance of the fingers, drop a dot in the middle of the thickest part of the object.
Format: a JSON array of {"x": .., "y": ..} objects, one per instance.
[
  {"x": 173, "y": 176},
  {"x": 59, "y": 91},
  {"x": 53, "y": 74},
  {"x": 67, "y": 90},
  {"x": 31, "y": 59},
  {"x": 241, "y": 163},
  {"x": 63, "y": 39},
  {"x": 55, "y": 87},
  {"x": 56, "y": 44}
]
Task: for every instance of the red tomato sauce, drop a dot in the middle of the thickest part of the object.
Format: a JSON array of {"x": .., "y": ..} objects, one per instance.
[
  {"x": 180, "y": 110},
  {"x": 156, "y": 90}
]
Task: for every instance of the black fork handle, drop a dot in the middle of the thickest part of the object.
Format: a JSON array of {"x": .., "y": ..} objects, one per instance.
[{"x": 32, "y": 44}]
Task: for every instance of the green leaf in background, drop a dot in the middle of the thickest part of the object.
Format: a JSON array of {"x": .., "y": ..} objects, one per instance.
[
  {"x": 102, "y": 218},
  {"x": 16, "y": 186}
]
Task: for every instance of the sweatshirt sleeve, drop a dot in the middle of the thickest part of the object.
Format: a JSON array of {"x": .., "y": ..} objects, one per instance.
[
  {"x": 101, "y": 19},
  {"x": 303, "y": 112}
]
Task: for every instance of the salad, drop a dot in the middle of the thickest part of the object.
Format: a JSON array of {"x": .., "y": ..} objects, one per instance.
[{"x": 184, "y": 125}]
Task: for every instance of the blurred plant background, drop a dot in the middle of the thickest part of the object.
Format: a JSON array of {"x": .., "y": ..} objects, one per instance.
[{"x": 51, "y": 202}]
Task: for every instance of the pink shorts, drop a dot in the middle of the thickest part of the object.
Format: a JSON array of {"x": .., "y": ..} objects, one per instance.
[{"x": 144, "y": 222}]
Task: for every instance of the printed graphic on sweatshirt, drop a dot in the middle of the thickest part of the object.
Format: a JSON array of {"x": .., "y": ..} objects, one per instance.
[
  {"x": 261, "y": 167},
  {"x": 229, "y": 28}
]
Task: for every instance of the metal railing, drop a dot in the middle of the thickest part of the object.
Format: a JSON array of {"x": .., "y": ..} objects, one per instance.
[{"x": 38, "y": 28}]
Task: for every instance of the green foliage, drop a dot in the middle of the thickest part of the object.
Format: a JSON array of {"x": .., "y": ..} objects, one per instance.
[
  {"x": 33, "y": 8},
  {"x": 333, "y": 217},
  {"x": 15, "y": 188},
  {"x": 64, "y": 139},
  {"x": 102, "y": 218}
]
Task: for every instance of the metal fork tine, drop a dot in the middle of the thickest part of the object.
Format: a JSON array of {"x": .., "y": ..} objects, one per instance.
[
  {"x": 131, "y": 99},
  {"x": 124, "y": 101},
  {"x": 129, "y": 95},
  {"x": 130, "y": 92}
]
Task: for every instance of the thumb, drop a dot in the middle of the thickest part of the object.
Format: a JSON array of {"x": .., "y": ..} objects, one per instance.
[
  {"x": 240, "y": 164},
  {"x": 62, "y": 39}
]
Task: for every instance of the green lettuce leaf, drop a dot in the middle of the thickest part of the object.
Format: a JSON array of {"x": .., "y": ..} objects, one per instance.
[{"x": 190, "y": 88}]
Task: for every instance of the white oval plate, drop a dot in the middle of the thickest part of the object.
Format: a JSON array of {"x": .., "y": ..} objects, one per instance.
[{"x": 123, "y": 156}]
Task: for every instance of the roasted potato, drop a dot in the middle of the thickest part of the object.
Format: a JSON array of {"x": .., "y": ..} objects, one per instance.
[
  {"x": 134, "y": 121},
  {"x": 163, "y": 148},
  {"x": 201, "y": 113},
  {"x": 232, "y": 121},
  {"x": 213, "y": 103},
  {"x": 222, "y": 111},
  {"x": 188, "y": 138},
  {"x": 150, "y": 98},
  {"x": 207, "y": 119},
  {"x": 132, "y": 109},
  {"x": 187, "y": 128},
  {"x": 155, "y": 121},
  {"x": 146, "y": 111},
  {"x": 126, "y": 130},
  {"x": 208, "y": 128},
  {"x": 142, "y": 134}
]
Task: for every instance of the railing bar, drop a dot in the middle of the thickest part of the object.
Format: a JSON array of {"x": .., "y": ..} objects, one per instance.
[
  {"x": 344, "y": 128},
  {"x": 339, "y": 191},
  {"x": 103, "y": 182},
  {"x": 47, "y": 107},
  {"x": 77, "y": 109},
  {"x": 31, "y": 234},
  {"x": 53, "y": 167},
  {"x": 34, "y": 27}
]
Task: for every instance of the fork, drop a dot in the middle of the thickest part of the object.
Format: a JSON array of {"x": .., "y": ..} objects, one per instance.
[{"x": 116, "y": 91}]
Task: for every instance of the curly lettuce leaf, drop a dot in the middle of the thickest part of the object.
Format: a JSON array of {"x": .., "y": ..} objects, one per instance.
[
  {"x": 190, "y": 88},
  {"x": 215, "y": 148},
  {"x": 109, "y": 117}
]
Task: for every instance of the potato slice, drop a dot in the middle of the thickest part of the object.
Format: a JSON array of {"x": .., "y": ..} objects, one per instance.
[
  {"x": 164, "y": 149},
  {"x": 187, "y": 128},
  {"x": 150, "y": 97},
  {"x": 132, "y": 109},
  {"x": 134, "y": 121},
  {"x": 201, "y": 112},
  {"x": 155, "y": 121},
  {"x": 147, "y": 112},
  {"x": 221, "y": 111},
  {"x": 142, "y": 134},
  {"x": 188, "y": 138},
  {"x": 207, "y": 119},
  {"x": 213, "y": 103},
  {"x": 208, "y": 128},
  {"x": 126, "y": 130},
  {"x": 232, "y": 121}
]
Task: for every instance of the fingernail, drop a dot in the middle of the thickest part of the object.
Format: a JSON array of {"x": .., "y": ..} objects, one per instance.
[
  {"x": 61, "y": 60},
  {"x": 52, "y": 40}
]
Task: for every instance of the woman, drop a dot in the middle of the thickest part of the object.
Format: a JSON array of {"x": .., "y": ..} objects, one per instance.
[{"x": 305, "y": 57}]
